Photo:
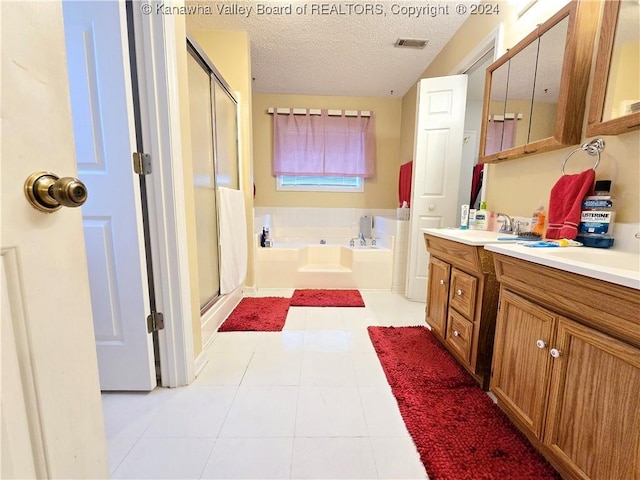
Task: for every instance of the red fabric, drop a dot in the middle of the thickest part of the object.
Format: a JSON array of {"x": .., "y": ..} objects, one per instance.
[
  {"x": 458, "y": 431},
  {"x": 257, "y": 314},
  {"x": 327, "y": 298},
  {"x": 404, "y": 184},
  {"x": 476, "y": 183},
  {"x": 565, "y": 204}
]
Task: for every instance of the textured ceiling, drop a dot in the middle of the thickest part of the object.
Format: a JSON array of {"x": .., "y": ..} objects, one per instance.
[{"x": 337, "y": 51}]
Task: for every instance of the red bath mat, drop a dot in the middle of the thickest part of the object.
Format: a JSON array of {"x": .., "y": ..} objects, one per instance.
[
  {"x": 327, "y": 298},
  {"x": 458, "y": 431},
  {"x": 257, "y": 314}
]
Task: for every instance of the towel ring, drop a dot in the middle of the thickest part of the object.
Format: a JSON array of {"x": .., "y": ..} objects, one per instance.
[{"x": 593, "y": 148}]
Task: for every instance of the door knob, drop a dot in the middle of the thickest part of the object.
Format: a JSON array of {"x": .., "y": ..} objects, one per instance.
[
  {"x": 48, "y": 193},
  {"x": 432, "y": 207}
]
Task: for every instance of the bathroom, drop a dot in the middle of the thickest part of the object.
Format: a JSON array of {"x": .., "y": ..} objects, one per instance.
[{"x": 515, "y": 187}]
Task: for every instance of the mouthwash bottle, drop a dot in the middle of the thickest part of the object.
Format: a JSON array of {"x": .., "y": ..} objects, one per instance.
[{"x": 596, "y": 220}]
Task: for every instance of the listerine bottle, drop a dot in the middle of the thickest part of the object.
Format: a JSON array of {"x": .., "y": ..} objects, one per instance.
[{"x": 596, "y": 220}]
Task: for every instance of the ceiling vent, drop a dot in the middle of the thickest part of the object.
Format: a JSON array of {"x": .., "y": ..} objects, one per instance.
[{"x": 411, "y": 43}]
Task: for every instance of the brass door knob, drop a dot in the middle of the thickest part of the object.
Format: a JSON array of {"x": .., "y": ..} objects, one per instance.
[{"x": 48, "y": 193}]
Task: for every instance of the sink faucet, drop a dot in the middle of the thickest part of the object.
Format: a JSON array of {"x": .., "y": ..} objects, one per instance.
[
  {"x": 507, "y": 223},
  {"x": 363, "y": 242},
  {"x": 516, "y": 226}
]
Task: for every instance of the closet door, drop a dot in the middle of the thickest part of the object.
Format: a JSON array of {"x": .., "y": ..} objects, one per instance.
[{"x": 204, "y": 181}]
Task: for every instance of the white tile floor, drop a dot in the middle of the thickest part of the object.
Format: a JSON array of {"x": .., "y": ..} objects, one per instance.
[{"x": 309, "y": 402}]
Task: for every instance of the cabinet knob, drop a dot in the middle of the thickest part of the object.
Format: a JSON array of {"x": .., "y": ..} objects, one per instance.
[
  {"x": 441, "y": 282},
  {"x": 459, "y": 292},
  {"x": 456, "y": 333},
  {"x": 555, "y": 353},
  {"x": 541, "y": 344}
]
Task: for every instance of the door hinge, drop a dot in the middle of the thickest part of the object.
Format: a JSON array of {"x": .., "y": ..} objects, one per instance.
[
  {"x": 155, "y": 322},
  {"x": 499, "y": 305},
  {"x": 141, "y": 163}
]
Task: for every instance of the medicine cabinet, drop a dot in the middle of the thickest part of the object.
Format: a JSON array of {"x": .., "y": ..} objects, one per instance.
[
  {"x": 615, "y": 101},
  {"x": 534, "y": 98}
]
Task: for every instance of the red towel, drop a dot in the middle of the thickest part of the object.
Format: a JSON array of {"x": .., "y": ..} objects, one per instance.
[
  {"x": 476, "y": 183},
  {"x": 565, "y": 204},
  {"x": 404, "y": 183}
]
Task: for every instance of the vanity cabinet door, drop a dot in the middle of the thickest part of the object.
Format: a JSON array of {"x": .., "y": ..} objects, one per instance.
[
  {"x": 593, "y": 420},
  {"x": 438, "y": 296},
  {"x": 521, "y": 360}
]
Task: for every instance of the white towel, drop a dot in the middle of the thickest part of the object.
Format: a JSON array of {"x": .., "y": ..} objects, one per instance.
[{"x": 233, "y": 239}]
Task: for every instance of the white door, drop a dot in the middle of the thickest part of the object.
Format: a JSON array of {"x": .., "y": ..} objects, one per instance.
[
  {"x": 52, "y": 424},
  {"x": 102, "y": 111},
  {"x": 436, "y": 169}
]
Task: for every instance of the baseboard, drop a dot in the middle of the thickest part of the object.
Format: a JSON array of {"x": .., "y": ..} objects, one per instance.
[
  {"x": 217, "y": 314},
  {"x": 200, "y": 362}
]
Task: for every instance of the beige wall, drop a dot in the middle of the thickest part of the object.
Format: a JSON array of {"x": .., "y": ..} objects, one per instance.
[
  {"x": 230, "y": 53},
  {"x": 379, "y": 192},
  {"x": 517, "y": 186}
]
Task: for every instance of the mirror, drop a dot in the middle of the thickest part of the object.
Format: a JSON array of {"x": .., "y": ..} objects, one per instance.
[
  {"x": 498, "y": 96},
  {"x": 546, "y": 86},
  {"x": 522, "y": 76},
  {"x": 615, "y": 102},
  {"x": 548, "y": 74}
]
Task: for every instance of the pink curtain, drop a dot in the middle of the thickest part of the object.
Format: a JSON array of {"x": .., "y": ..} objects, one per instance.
[
  {"x": 324, "y": 145},
  {"x": 501, "y": 135}
]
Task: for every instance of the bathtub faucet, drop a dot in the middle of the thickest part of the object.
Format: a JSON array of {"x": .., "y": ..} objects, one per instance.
[
  {"x": 352, "y": 242},
  {"x": 363, "y": 242}
]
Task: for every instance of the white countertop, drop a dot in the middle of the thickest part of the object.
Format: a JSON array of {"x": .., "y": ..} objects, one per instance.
[
  {"x": 621, "y": 268},
  {"x": 614, "y": 266},
  {"x": 470, "y": 237}
]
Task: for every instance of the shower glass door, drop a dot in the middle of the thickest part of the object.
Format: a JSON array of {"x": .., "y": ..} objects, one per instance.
[{"x": 204, "y": 181}]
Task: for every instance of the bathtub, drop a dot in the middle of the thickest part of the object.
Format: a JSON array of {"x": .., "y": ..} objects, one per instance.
[{"x": 301, "y": 263}]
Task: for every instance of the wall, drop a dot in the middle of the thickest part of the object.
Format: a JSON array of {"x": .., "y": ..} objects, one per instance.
[
  {"x": 379, "y": 192},
  {"x": 230, "y": 52},
  {"x": 517, "y": 186}
]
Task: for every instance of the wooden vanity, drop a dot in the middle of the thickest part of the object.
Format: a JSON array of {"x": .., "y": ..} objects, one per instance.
[
  {"x": 566, "y": 367},
  {"x": 565, "y": 339},
  {"x": 462, "y": 299}
]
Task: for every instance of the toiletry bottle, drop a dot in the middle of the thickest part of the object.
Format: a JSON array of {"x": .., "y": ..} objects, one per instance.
[
  {"x": 263, "y": 236},
  {"x": 537, "y": 221},
  {"x": 481, "y": 220},
  {"x": 472, "y": 219},
  {"x": 596, "y": 220},
  {"x": 464, "y": 217}
]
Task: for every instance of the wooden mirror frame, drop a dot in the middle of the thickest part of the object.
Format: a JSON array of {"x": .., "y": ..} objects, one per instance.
[
  {"x": 583, "y": 20},
  {"x": 595, "y": 125}
]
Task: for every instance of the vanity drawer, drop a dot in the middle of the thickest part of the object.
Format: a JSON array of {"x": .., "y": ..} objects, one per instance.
[
  {"x": 459, "y": 335},
  {"x": 462, "y": 293}
]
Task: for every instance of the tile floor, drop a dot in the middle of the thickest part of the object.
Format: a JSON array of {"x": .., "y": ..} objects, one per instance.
[{"x": 309, "y": 402}]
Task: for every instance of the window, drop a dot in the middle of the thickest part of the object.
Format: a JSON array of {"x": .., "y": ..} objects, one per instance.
[
  {"x": 323, "y": 152},
  {"x": 306, "y": 183}
]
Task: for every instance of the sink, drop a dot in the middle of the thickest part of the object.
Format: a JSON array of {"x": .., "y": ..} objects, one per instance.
[{"x": 601, "y": 258}]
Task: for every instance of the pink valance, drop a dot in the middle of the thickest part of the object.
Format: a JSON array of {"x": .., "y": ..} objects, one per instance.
[{"x": 324, "y": 145}]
